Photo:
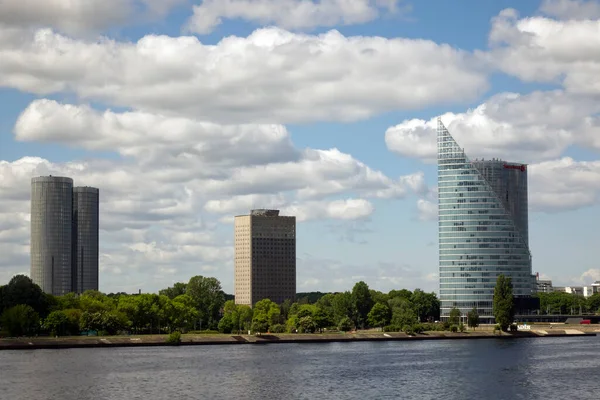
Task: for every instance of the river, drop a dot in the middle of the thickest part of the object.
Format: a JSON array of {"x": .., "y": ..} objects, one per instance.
[{"x": 546, "y": 368}]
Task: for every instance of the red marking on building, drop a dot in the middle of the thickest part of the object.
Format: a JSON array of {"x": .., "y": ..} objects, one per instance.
[{"x": 521, "y": 167}]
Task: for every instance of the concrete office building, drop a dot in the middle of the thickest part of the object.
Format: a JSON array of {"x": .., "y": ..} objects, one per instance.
[
  {"x": 51, "y": 230},
  {"x": 265, "y": 257},
  {"x": 64, "y": 235},
  {"x": 86, "y": 221},
  {"x": 483, "y": 229}
]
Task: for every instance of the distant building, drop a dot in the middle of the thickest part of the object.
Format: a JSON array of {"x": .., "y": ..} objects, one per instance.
[
  {"x": 483, "y": 230},
  {"x": 265, "y": 257},
  {"x": 578, "y": 290},
  {"x": 51, "y": 233},
  {"x": 86, "y": 228},
  {"x": 64, "y": 235},
  {"x": 544, "y": 286}
]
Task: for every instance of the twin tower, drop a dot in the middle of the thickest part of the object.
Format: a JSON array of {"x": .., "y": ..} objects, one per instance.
[{"x": 64, "y": 235}]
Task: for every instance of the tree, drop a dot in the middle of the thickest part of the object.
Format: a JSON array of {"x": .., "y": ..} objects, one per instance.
[
  {"x": 345, "y": 324},
  {"x": 178, "y": 289},
  {"x": 454, "y": 318},
  {"x": 426, "y": 305},
  {"x": 362, "y": 303},
  {"x": 20, "y": 320},
  {"x": 208, "y": 298},
  {"x": 22, "y": 290},
  {"x": 403, "y": 315},
  {"x": 322, "y": 318},
  {"x": 341, "y": 304},
  {"x": 473, "y": 318},
  {"x": 593, "y": 303},
  {"x": 57, "y": 323},
  {"x": 266, "y": 314},
  {"x": 503, "y": 302},
  {"x": 380, "y": 315}
]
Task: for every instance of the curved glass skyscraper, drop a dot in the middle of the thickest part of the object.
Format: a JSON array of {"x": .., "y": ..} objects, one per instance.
[{"x": 483, "y": 228}]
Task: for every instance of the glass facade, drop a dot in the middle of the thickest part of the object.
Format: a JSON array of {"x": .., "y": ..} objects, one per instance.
[
  {"x": 51, "y": 230},
  {"x": 86, "y": 221},
  {"x": 483, "y": 228}
]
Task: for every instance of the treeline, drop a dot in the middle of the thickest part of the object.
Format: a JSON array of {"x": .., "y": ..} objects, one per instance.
[
  {"x": 201, "y": 304},
  {"x": 361, "y": 308},
  {"x": 568, "y": 304},
  {"x": 26, "y": 311}
]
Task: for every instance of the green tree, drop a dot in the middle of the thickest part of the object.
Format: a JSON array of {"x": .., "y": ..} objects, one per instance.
[
  {"x": 266, "y": 314},
  {"x": 342, "y": 306},
  {"x": 454, "y": 318},
  {"x": 22, "y": 290},
  {"x": 404, "y": 293},
  {"x": 593, "y": 303},
  {"x": 426, "y": 305},
  {"x": 380, "y": 315},
  {"x": 178, "y": 289},
  {"x": 20, "y": 320},
  {"x": 208, "y": 298},
  {"x": 345, "y": 324},
  {"x": 473, "y": 318},
  {"x": 246, "y": 314},
  {"x": 403, "y": 315},
  {"x": 57, "y": 323},
  {"x": 361, "y": 303},
  {"x": 503, "y": 302},
  {"x": 322, "y": 318}
]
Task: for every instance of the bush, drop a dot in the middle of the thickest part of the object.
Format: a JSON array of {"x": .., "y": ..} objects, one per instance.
[
  {"x": 513, "y": 327},
  {"x": 278, "y": 328},
  {"x": 408, "y": 329},
  {"x": 418, "y": 328},
  {"x": 392, "y": 328},
  {"x": 174, "y": 338},
  {"x": 461, "y": 327},
  {"x": 454, "y": 328},
  {"x": 345, "y": 324},
  {"x": 446, "y": 325}
]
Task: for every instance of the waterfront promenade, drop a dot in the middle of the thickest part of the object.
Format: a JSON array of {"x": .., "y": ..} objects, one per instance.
[{"x": 215, "y": 339}]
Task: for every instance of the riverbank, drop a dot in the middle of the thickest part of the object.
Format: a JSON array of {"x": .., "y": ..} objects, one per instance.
[{"x": 216, "y": 339}]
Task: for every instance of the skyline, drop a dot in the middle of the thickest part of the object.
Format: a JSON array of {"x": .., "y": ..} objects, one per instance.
[{"x": 199, "y": 112}]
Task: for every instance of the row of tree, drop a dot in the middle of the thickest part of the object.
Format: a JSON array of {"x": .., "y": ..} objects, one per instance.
[
  {"x": 360, "y": 308},
  {"x": 26, "y": 310},
  {"x": 568, "y": 304},
  {"x": 201, "y": 304}
]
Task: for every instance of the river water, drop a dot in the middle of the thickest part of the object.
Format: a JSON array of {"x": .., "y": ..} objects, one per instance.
[{"x": 546, "y": 368}]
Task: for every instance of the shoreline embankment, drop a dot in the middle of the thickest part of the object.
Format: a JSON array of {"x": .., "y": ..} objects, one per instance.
[{"x": 225, "y": 339}]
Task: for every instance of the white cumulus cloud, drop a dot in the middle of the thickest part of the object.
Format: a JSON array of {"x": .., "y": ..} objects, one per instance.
[{"x": 288, "y": 14}]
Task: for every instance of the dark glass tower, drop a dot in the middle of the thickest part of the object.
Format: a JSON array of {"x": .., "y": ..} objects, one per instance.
[
  {"x": 86, "y": 218},
  {"x": 483, "y": 228},
  {"x": 51, "y": 233}
]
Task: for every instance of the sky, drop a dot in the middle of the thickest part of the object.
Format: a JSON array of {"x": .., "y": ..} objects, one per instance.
[{"x": 186, "y": 113}]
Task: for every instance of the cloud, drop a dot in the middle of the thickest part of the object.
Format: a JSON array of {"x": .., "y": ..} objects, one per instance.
[
  {"x": 270, "y": 76},
  {"x": 527, "y": 128},
  {"x": 564, "y": 184},
  {"x": 539, "y": 49},
  {"x": 347, "y": 209},
  {"x": 333, "y": 275},
  {"x": 174, "y": 181},
  {"x": 288, "y": 14},
  {"x": 591, "y": 275},
  {"x": 81, "y": 16},
  {"x": 571, "y": 9}
]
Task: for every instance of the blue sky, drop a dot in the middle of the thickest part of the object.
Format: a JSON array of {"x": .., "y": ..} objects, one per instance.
[{"x": 185, "y": 113}]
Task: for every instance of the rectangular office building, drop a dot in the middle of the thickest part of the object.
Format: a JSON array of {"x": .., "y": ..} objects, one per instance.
[{"x": 265, "y": 257}]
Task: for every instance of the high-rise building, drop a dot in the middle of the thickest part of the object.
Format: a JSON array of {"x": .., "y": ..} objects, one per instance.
[
  {"x": 86, "y": 221},
  {"x": 64, "y": 235},
  {"x": 265, "y": 257},
  {"x": 483, "y": 229},
  {"x": 51, "y": 229}
]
